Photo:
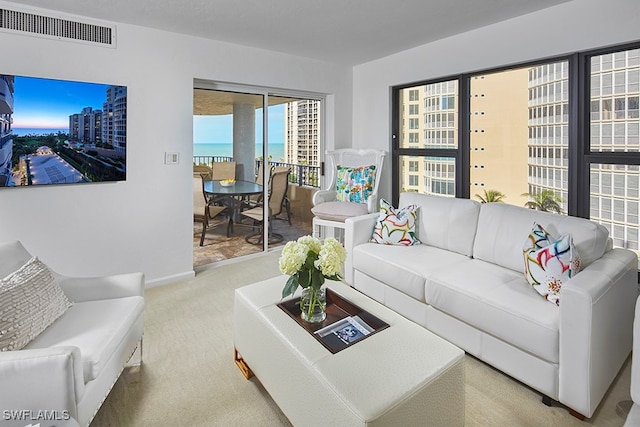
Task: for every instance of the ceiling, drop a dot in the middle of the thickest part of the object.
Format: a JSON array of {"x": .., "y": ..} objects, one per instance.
[{"x": 347, "y": 32}]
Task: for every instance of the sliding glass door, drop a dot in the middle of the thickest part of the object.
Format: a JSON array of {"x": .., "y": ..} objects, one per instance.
[{"x": 275, "y": 142}]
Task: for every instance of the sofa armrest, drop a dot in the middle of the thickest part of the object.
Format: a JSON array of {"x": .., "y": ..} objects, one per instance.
[
  {"x": 635, "y": 357},
  {"x": 358, "y": 230},
  {"x": 41, "y": 379},
  {"x": 596, "y": 318},
  {"x": 79, "y": 289},
  {"x": 323, "y": 196}
]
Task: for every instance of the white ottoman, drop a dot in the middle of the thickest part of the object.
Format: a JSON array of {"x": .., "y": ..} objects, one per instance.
[{"x": 401, "y": 376}]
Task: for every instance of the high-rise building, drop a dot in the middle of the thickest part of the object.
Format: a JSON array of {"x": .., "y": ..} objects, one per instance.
[
  {"x": 6, "y": 139},
  {"x": 114, "y": 123},
  {"x": 86, "y": 126},
  {"x": 615, "y": 127},
  {"x": 302, "y": 132},
  {"x": 430, "y": 120}
]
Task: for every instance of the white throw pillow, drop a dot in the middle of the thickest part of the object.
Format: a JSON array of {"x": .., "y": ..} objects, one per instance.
[{"x": 30, "y": 301}]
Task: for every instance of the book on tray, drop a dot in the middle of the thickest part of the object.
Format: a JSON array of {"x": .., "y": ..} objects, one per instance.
[{"x": 348, "y": 330}]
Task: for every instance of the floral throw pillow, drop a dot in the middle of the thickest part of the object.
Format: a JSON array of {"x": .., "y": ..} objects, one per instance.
[
  {"x": 355, "y": 184},
  {"x": 538, "y": 238},
  {"x": 549, "y": 264},
  {"x": 396, "y": 226}
]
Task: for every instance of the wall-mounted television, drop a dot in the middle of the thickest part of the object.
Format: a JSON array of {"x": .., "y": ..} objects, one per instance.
[{"x": 61, "y": 132}]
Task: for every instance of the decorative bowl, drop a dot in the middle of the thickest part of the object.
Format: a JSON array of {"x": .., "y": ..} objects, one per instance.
[{"x": 227, "y": 182}]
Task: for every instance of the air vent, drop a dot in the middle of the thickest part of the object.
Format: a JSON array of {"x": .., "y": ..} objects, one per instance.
[{"x": 19, "y": 22}]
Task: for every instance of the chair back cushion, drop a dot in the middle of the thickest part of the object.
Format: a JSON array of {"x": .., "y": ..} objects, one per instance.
[
  {"x": 279, "y": 184},
  {"x": 223, "y": 170}
]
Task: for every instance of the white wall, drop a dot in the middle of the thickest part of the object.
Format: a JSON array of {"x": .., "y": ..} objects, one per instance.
[
  {"x": 573, "y": 26},
  {"x": 145, "y": 223}
]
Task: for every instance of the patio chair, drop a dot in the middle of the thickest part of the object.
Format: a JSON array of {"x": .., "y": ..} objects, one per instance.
[
  {"x": 223, "y": 170},
  {"x": 256, "y": 199},
  {"x": 204, "y": 212},
  {"x": 203, "y": 170},
  {"x": 278, "y": 185},
  {"x": 286, "y": 204},
  {"x": 352, "y": 190}
]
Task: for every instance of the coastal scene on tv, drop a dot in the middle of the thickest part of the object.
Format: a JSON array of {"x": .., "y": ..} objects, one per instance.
[{"x": 61, "y": 132}]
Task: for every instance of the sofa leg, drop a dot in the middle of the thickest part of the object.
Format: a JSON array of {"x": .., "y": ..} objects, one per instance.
[
  {"x": 577, "y": 414},
  {"x": 549, "y": 402},
  {"x": 241, "y": 364},
  {"x": 136, "y": 356}
]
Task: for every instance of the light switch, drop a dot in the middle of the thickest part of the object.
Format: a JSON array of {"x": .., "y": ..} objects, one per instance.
[{"x": 171, "y": 158}]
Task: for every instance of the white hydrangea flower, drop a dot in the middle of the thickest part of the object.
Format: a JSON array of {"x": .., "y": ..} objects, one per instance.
[
  {"x": 331, "y": 257},
  {"x": 312, "y": 243},
  {"x": 293, "y": 257}
]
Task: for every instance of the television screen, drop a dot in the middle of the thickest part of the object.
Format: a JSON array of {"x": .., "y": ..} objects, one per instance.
[{"x": 61, "y": 132}]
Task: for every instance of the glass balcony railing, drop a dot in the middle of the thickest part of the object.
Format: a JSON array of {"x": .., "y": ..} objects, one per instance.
[{"x": 303, "y": 175}]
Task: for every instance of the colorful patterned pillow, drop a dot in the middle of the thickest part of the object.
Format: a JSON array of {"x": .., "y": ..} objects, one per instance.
[
  {"x": 548, "y": 268},
  {"x": 396, "y": 226},
  {"x": 538, "y": 238},
  {"x": 355, "y": 184}
]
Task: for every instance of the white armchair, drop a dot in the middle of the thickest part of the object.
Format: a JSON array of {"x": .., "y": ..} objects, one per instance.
[
  {"x": 330, "y": 208},
  {"x": 70, "y": 368}
]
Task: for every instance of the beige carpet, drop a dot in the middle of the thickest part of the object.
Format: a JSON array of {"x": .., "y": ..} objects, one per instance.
[{"x": 188, "y": 377}]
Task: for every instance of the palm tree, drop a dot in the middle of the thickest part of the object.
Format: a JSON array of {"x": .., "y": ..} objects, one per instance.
[
  {"x": 491, "y": 196},
  {"x": 546, "y": 201}
]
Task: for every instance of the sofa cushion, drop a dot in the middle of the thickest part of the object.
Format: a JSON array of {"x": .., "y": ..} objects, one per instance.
[
  {"x": 96, "y": 327},
  {"x": 404, "y": 268},
  {"x": 355, "y": 184},
  {"x": 445, "y": 222},
  {"x": 499, "y": 302},
  {"x": 30, "y": 301},
  {"x": 339, "y": 211},
  {"x": 502, "y": 229},
  {"x": 395, "y": 226}
]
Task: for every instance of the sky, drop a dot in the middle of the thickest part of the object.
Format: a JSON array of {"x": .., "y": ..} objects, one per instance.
[
  {"x": 47, "y": 103},
  {"x": 219, "y": 129}
]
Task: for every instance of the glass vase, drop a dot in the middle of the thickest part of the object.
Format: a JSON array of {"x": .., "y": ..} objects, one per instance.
[{"x": 313, "y": 304}]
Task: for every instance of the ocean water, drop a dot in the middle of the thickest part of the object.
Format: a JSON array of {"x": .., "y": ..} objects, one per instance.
[
  {"x": 276, "y": 151},
  {"x": 37, "y": 131}
]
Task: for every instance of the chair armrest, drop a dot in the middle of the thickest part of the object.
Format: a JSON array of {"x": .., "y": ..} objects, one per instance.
[
  {"x": 358, "y": 230},
  {"x": 372, "y": 203},
  {"x": 79, "y": 289},
  {"x": 323, "y": 196},
  {"x": 42, "y": 379},
  {"x": 596, "y": 317}
]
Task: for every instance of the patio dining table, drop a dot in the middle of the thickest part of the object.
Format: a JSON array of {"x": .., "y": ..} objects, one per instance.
[{"x": 231, "y": 196}]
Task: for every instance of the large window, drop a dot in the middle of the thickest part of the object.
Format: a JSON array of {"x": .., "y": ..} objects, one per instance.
[
  {"x": 614, "y": 129},
  {"x": 564, "y": 129}
]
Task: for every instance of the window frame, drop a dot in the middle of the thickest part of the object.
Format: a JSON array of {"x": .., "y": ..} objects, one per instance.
[{"x": 580, "y": 156}]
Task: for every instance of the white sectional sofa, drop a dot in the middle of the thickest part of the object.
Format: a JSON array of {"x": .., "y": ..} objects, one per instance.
[
  {"x": 465, "y": 282},
  {"x": 69, "y": 368}
]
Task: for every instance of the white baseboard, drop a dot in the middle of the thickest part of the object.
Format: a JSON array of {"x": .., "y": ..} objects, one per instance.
[{"x": 169, "y": 279}]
